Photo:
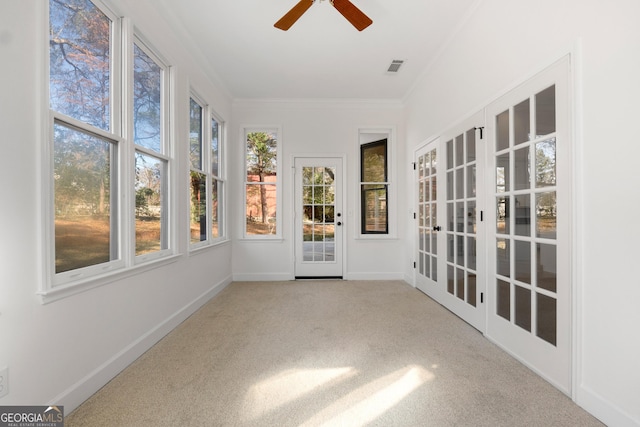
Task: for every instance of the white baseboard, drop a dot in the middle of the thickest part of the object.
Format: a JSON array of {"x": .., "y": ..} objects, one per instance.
[
  {"x": 603, "y": 410},
  {"x": 75, "y": 395},
  {"x": 262, "y": 277},
  {"x": 374, "y": 276}
]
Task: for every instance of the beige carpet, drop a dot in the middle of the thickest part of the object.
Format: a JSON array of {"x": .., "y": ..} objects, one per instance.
[{"x": 335, "y": 353}]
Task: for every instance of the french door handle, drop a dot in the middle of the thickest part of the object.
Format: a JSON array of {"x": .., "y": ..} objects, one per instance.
[
  {"x": 339, "y": 223},
  {"x": 437, "y": 228}
]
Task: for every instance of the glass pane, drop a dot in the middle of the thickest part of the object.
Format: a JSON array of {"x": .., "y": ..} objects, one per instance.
[
  {"x": 80, "y": 63},
  {"x": 262, "y": 157},
  {"x": 459, "y": 150},
  {"x": 471, "y": 217},
  {"x": 450, "y": 217},
  {"x": 546, "y": 163},
  {"x": 149, "y": 183},
  {"x": 523, "y": 308},
  {"x": 434, "y": 246},
  {"x": 329, "y": 176},
  {"x": 330, "y": 252},
  {"x": 523, "y": 261},
  {"x": 546, "y": 225},
  {"x": 83, "y": 180},
  {"x": 434, "y": 266},
  {"x": 374, "y": 207},
  {"x": 421, "y": 191},
  {"x": 434, "y": 162},
  {"x": 198, "y": 207},
  {"x": 307, "y": 194},
  {"x": 502, "y": 131},
  {"x": 471, "y": 181},
  {"x": 449, "y": 146},
  {"x": 261, "y": 209},
  {"x": 460, "y": 217},
  {"x": 450, "y": 185},
  {"x": 307, "y": 250},
  {"x": 434, "y": 188},
  {"x": 503, "y": 259},
  {"x": 521, "y": 123},
  {"x": 523, "y": 215},
  {"x": 374, "y": 161},
  {"x": 147, "y": 111},
  {"x": 318, "y": 214},
  {"x": 503, "y": 299},
  {"x": 215, "y": 149},
  {"x": 434, "y": 214},
  {"x": 502, "y": 173},
  {"x": 546, "y": 260},
  {"x": 450, "y": 247},
  {"x": 216, "y": 193},
  {"x": 472, "y": 256},
  {"x": 423, "y": 166},
  {"x": 451, "y": 279},
  {"x": 503, "y": 221},
  {"x": 522, "y": 169},
  {"x": 546, "y": 318},
  {"x": 471, "y": 289},
  {"x": 329, "y": 214},
  {"x": 460, "y": 284},
  {"x": 195, "y": 135},
  {"x": 460, "y": 183},
  {"x": 307, "y": 175},
  {"x": 546, "y": 111},
  {"x": 460, "y": 250},
  {"x": 471, "y": 145}
]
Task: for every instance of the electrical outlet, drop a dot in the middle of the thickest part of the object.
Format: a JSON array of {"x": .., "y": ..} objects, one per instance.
[{"x": 4, "y": 381}]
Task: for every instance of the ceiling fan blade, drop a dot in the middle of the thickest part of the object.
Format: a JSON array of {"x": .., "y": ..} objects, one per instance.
[
  {"x": 353, "y": 14},
  {"x": 293, "y": 15}
]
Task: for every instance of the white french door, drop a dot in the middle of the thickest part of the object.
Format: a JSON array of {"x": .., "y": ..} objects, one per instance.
[
  {"x": 528, "y": 225},
  {"x": 319, "y": 221},
  {"x": 450, "y": 267}
]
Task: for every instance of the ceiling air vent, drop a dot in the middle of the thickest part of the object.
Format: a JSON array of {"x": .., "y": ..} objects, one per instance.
[{"x": 395, "y": 66}]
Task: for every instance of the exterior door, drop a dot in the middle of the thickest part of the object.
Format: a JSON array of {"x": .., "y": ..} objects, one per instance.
[
  {"x": 529, "y": 224},
  {"x": 319, "y": 221}
]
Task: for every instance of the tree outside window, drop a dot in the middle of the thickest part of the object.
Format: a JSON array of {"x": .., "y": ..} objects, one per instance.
[{"x": 261, "y": 182}]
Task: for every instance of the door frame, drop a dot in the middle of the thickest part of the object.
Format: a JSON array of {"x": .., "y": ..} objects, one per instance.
[{"x": 345, "y": 218}]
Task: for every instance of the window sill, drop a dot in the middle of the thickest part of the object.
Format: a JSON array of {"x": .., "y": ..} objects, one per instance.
[
  {"x": 69, "y": 289},
  {"x": 204, "y": 248}
]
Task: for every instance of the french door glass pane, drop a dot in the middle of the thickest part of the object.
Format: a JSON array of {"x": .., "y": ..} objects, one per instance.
[
  {"x": 521, "y": 122},
  {"x": 546, "y": 111}
]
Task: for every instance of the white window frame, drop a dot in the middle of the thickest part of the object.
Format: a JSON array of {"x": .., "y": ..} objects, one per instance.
[
  {"x": 365, "y": 136},
  {"x": 277, "y": 236},
  {"x": 57, "y": 286},
  {"x": 208, "y": 114},
  {"x": 165, "y": 153}
]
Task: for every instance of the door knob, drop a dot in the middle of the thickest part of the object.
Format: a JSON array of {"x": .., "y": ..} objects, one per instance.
[
  {"x": 339, "y": 223},
  {"x": 437, "y": 228}
]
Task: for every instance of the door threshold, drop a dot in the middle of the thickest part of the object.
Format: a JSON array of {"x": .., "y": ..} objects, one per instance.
[{"x": 318, "y": 277}]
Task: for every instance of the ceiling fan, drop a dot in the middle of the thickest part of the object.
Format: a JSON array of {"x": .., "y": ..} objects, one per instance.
[{"x": 345, "y": 7}]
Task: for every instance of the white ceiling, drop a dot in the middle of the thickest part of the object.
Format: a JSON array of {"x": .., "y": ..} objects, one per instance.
[{"x": 322, "y": 56}]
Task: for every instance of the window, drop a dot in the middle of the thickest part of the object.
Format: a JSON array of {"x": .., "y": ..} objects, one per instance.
[
  {"x": 151, "y": 161},
  {"x": 374, "y": 186},
  {"x": 261, "y": 182},
  {"x": 108, "y": 147},
  {"x": 206, "y": 182},
  {"x": 86, "y": 140}
]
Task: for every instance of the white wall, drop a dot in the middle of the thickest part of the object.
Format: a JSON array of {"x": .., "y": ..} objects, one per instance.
[
  {"x": 504, "y": 43},
  {"x": 62, "y": 352},
  {"x": 319, "y": 128}
]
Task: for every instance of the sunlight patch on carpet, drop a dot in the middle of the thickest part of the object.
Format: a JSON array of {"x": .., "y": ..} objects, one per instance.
[
  {"x": 290, "y": 385},
  {"x": 372, "y": 399}
]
